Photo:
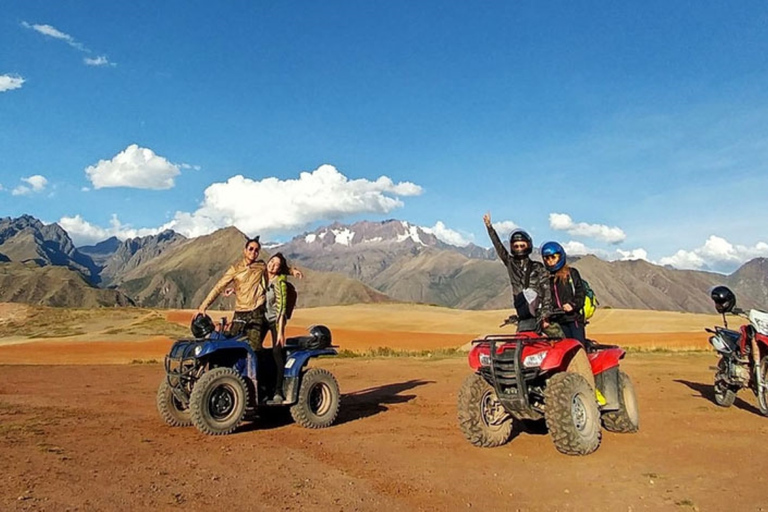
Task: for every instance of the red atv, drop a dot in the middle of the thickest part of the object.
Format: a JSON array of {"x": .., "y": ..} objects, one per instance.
[{"x": 527, "y": 376}]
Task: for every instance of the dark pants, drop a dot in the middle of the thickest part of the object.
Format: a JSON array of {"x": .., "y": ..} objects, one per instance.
[
  {"x": 253, "y": 324},
  {"x": 278, "y": 352},
  {"x": 574, "y": 330}
]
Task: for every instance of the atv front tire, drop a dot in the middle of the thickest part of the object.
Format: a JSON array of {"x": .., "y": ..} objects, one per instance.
[
  {"x": 571, "y": 414},
  {"x": 218, "y": 401},
  {"x": 319, "y": 398},
  {"x": 482, "y": 418},
  {"x": 627, "y": 419},
  {"x": 171, "y": 409}
]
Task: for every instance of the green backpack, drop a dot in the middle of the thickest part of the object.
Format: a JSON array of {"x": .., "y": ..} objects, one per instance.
[{"x": 590, "y": 301}]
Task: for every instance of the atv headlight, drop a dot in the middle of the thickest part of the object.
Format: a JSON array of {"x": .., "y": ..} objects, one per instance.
[
  {"x": 198, "y": 349},
  {"x": 534, "y": 359},
  {"x": 485, "y": 360}
]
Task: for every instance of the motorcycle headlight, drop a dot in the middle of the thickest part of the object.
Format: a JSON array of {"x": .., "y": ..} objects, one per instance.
[
  {"x": 198, "y": 349},
  {"x": 534, "y": 359},
  {"x": 718, "y": 344},
  {"x": 485, "y": 360}
]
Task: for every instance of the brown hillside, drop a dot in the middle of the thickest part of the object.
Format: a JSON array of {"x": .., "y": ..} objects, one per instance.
[
  {"x": 183, "y": 275},
  {"x": 53, "y": 286}
]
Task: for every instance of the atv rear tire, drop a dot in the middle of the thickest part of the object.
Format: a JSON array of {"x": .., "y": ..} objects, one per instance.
[
  {"x": 571, "y": 414},
  {"x": 319, "y": 398},
  {"x": 627, "y": 419},
  {"x": 482, "y": 418},
  {"x": 218, "y": 401},
  {"x": 173, "y": 412}
]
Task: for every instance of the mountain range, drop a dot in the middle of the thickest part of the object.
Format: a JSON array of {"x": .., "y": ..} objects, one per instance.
[{"x": 366, "y": 261}]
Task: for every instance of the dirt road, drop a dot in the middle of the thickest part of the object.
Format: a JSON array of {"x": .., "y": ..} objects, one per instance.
[{"x": 89, "y": 438}]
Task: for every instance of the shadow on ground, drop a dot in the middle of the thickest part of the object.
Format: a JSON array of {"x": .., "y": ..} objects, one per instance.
[
  {"x": 371, "y": 401},
  {"x": 354, "y": 406},
  {"x": 707, "y": 391}
]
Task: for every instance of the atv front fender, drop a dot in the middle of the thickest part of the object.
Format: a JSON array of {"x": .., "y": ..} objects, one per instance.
[{"x": 560, "y": 355}]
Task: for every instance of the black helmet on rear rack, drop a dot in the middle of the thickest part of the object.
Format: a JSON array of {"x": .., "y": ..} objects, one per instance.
[
  {"x": 202, "y": 326},
  {"x": 321, "y": 337},
  {"x": 723, "y": 298}
]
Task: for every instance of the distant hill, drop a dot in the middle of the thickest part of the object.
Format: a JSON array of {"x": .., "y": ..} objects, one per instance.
[
  {"x": 101, "y": 252},
  {"x": 27, "y": 240},
  {"x": 53, "y": 286},
  {"x": 183, "y": 275},
  {"x": 405, "y": 263},
  {"x": 134, "y": 252},
  {"x": 344, "y": 264}
]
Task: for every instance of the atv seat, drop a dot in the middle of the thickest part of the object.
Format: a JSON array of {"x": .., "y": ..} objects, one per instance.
[{"x": 299, "y": 341}]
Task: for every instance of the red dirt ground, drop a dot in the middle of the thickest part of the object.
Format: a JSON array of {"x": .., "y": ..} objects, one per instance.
[{"x": 88, "y": 437}]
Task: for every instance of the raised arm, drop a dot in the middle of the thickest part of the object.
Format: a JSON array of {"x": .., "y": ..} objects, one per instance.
[
  {"x": 227, "y": 278},
  {"x": 497, "y": 243}
]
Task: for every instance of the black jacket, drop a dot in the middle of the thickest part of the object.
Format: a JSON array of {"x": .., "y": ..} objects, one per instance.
[
  {"x": 569, "y": 292},
  {"x": 538, "y": 279}
]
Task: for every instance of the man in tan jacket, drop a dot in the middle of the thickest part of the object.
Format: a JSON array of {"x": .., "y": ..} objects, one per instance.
[{"x": 249, "y": 279}]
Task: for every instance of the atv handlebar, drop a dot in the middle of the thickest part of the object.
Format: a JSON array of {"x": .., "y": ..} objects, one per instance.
[{"x": 514, "y": 319}]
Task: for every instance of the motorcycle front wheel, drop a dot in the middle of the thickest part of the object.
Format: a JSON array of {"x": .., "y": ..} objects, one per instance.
[
  {"x": 762, "y": 394},
  {"x": 724, "y": 394}
]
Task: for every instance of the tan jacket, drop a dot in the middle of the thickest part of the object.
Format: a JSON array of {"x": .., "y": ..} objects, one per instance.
[{"x": 250, "y": 285}]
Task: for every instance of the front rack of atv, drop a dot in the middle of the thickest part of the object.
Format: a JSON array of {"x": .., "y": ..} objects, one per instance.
[
  {"x": 502, "y": 365},
  {"x": 182, "y": 368}
]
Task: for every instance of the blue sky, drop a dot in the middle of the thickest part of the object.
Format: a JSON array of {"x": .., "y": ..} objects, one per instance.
[{"x": 622, "y": 130}]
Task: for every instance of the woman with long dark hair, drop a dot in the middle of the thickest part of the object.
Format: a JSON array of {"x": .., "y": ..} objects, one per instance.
[
  {"x": 568, "y": 291},
  {"x": 277, "y": 302}
]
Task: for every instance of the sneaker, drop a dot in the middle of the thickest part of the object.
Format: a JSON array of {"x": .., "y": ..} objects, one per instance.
[{"x": 276, "y": 400}]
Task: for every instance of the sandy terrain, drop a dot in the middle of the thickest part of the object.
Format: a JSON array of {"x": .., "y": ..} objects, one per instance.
[
  {"x": 79, "y": 433},
  {"x": 89, "y": 438},
  {"x": 105, "y": 338}
]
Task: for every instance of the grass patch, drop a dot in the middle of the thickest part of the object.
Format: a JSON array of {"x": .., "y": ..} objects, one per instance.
[
  {"x": 665, "y": 350},
  {"x": 145, "y": 361},
  {"x": 51, "y": 322},
  {"x": 391, "y": 352}
]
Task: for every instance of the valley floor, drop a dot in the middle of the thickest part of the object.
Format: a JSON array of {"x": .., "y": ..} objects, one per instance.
[{"x": 88, "y": 437}]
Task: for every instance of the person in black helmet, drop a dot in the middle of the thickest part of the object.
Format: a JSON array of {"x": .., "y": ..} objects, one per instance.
[{"x": 531, "y": 294}]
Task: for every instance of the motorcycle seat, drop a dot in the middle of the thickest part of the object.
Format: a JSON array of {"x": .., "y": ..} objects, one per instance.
[{"x": 760, "y": 320}]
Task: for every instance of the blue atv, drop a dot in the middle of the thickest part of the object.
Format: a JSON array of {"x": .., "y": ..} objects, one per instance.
[{"x": 214, "y": 379}]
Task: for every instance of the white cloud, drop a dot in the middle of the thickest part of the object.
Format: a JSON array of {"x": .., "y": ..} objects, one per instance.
[
  {"x": 34, "y": 183},
  {"x": 134, "y": 167},
  {"x": 272, "y": 205},
  {"x": 10, "y": 82},
  {"x": 51, "y": 31},
  {"x": 83, "y": 232},
  {"x": 575, "y": 248},
  {"x": 564, "y": 222},
  {"x": 716, "y": 253},
  {"x": 101, "y": 60},
  {"x": 447, "y": 235},
  {"x": 48, "y": 30},
  {"x": 190, "y": 166},
  {"x": 505, "y": 228},
  {"x": 634, "y": 254}
]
